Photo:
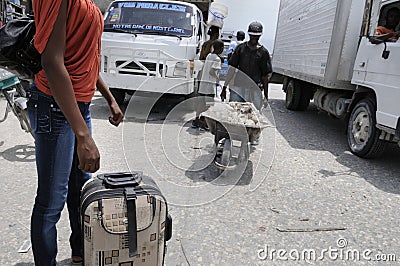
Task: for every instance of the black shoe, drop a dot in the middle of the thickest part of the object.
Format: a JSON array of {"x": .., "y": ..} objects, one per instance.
[
  {"x": 76, "y": 260},
  {"x": 203, "y": 126},
  {"x": 195, "y": 123}
]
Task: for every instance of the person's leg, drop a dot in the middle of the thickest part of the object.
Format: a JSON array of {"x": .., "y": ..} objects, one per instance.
[
  {"x": 234, "y": 96},
  {"x": 207, "y": 99},
  {"x": 197, "y": 103},
  {"x": 202, "y": 105},
  {"x": 54, "y": 142},
  {"x": 76, "y": 180},
  {"x": 255, "y": 95}
]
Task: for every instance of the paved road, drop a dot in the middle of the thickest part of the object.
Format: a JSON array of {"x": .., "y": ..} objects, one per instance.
[{"x": 301, "y": 177}]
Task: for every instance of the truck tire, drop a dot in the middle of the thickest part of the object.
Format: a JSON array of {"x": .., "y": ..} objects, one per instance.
[
  {"x": 119, "y": 95},
  {"x": 305, "y": 97},
  {"x": 293, "y": 95},
  {"x": 298, "y": 96},
  {"x": 362, "y": 133}
]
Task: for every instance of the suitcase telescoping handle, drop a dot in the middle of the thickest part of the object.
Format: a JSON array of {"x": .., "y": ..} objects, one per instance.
[
  {"x": 130, "y": 196},
  {"x": 122, "y": 180}
]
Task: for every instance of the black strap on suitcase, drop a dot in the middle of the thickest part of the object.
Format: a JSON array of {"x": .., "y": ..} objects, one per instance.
[
  {"x": 130, "y": 196},
  {"x": 127, "y": 181}
]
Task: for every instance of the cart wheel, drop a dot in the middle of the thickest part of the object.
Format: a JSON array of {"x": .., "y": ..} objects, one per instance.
[
  {"x": 244, "y": 154},
  {"x": 226, "y": 153}
]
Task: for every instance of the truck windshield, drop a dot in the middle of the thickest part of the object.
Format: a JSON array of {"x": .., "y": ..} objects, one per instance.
[{"x": 141, "y": 17}]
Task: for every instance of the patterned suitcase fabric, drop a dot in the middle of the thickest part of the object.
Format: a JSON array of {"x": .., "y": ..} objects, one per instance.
[{"x": 106, "y": 221}]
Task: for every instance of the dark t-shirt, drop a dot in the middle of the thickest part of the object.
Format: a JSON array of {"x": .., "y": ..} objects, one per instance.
[{"x": 255, "y": 63}]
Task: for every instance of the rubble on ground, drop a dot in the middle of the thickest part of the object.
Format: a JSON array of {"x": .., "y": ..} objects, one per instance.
[{"x": 237, "y": 113}]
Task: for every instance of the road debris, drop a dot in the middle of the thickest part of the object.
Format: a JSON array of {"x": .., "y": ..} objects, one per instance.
[{"x": 303, "y": 230}]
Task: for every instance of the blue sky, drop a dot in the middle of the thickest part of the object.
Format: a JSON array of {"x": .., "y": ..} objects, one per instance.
[{"x": 242, "y": 12}]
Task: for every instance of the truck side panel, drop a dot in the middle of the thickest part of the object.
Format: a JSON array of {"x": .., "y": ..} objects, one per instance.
[
  {"x": 303, "y": 37},
  {"x": 351, "y": 41},
  {"x": 316, "y": 40}
]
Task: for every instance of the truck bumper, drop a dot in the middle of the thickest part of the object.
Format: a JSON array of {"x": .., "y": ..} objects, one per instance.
[{"x": 181, "y": 86}]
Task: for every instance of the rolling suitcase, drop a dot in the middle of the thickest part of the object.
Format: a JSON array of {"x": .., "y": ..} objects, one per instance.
[{"x": 125, "y": 221}]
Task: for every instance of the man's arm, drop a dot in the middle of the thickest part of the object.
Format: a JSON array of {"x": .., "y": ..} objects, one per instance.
[
  {"x": 116, "y": 113},
  {"x": 265, "y": 82},
  {"x": 231, "y": 48},
  {"x": 205, "y": 50},
  {"x": 267, "y": 70},
  {"x": 376, "y": 39},
  {"x": 61, "y": 87},
  {"x": 228, "y": 79}
]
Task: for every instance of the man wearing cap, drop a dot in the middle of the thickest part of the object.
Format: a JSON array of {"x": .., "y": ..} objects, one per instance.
[
  {"x": 240, "y": 35},
  {"x": 254, "y": 64}
]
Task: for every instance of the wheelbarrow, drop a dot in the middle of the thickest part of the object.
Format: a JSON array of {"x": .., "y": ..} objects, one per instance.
[{"x": 231, "y": 140}]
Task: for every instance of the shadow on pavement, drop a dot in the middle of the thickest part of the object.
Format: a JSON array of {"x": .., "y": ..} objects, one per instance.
[
  {"x": 314, "y": 130},
  {"x": 194, "y": 131},
  {"x": 19, "y": 153},
  {"x": 198, "y": 172},
  {"x": 147, "y": 108},
  {"x": 59, "y": 263}
]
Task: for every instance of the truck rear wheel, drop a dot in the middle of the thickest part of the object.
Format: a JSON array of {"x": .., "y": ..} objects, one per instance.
[
  {"x": 292, "y": 95},
  {"x": 362, "y": 133},
  {"x": 305, "y": 97},
  {"x": 297, "y": 95},
  {"x": 119, "y": 95}
]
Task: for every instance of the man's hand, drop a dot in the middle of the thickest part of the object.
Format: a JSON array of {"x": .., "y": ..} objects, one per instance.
[
  {"x": 265, "y": 103},
  {"x": 88, "y": 154},
  {"x": 266, "y": 95},
  {"x": 378, "y": 39},
  {"x": 223, "y": 93},
  {"x": 116, "y": 114}
]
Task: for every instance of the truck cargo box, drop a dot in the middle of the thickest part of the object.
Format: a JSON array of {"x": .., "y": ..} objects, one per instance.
[{"x": 317, "y": 40}]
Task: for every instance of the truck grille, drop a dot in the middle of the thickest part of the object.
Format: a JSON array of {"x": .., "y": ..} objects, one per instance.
[{"x": 134, "y": 69}]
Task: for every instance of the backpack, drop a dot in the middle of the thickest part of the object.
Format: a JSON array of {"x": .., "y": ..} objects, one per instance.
[{"x": 17, "y": 52}]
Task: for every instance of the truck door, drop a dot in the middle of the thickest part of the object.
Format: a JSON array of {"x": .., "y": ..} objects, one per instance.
[{"x": 377, "y": 67}]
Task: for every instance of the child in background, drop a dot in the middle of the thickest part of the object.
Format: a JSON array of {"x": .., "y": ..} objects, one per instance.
[{"x": 208, "y": 82}]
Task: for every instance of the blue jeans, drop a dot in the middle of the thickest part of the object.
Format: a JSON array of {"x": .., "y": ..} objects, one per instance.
[
  {"x": 59, "y": 179},
  {"x": 236, "y": 97}
]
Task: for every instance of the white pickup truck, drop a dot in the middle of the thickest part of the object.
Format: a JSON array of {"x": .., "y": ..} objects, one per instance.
[
  {"x": 323, "y": 50},
  {"x": 152, "y": 46}
]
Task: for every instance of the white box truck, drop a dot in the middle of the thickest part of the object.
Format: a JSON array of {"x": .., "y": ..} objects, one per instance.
[
  {"x": 153, "y": 46},
  {"x": 323, "y": 51}
]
